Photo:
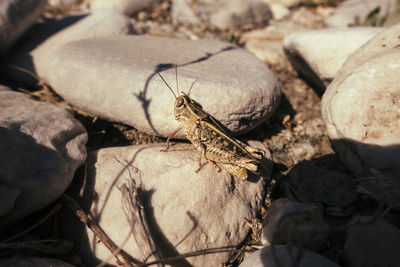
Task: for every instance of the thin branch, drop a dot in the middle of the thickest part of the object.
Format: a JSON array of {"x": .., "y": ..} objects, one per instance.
[{"x": 123, "y": 258}]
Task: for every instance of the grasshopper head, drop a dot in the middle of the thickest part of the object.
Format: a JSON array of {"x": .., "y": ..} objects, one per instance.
[{"x": 181, "y": 103}]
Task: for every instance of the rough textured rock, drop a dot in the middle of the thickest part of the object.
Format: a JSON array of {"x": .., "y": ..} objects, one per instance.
[
  {"x": 351, "y": 11},
  {"x": 286, "y": 256},
  {"x": 313, "y": 184},
  {"x": 361, "y": 109},
  {"x": 33, "y": 262},
  {"x": 41, "y": 146},
  {"x": 230, "y": 83},
  {"x": 223, "y": 13},
  {"x": 37, "y": 49},
  {"x": 291, "y": 222},
  {"x": 374, "y": 243},
  {"x": 318, "y": 55},
  {"x": 16, "y": 16},
  {"x": 127, "y": 7},
  {"x": 187, "y": 211}
]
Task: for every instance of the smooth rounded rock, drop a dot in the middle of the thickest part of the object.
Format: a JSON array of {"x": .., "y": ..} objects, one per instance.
[
  {"x": 361, "y": 112},
  {"x": 284, "y": 256},
  {"x": 39, "y": 45},
  {"x": 372, "y": 242},
  {"x": 186, "y": 211},
  {"x": 128, "y": 7},
  {"x": 223, "y": 13},
  {"x": 349, "y": 12},
  {"x": 41, "y": 146},
  {"x": 266, "y": 43},
  {"x": 16, "y": 16},
  {"x": 291, "y": 222},
  {"x": 318, "y": 55},
  {"x": 382, "y": 42},
  {"x": 116, "y": 78}
]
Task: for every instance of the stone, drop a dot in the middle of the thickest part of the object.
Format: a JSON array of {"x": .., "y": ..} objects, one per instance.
[
  {"x": 301, "y": 151},
  {"x": 286, "y": 3},
  {"x": 372, "y": 242},
  {"x": 266, "y": 257},
  {"x": 313, "y": 184},
  {"x": 266, "y": 43},
  {"x": 279, "y": 11},
  {"x": 33, "y": 262},
  {"x": 318, "y": 55},
  {"x": 382, "y": 42},
  {"x": 365, "y": 109},
  {"x": 307, "y": 17},
  {"x": 127, "y": 7},
  {"x": 361, "y": 110},
  {"x": 62, "y": 5},
  {"x": 17, "y": 16},
  {"x": 41, "y": 147},
  {"x": 186, "y": 211},
  {"x": 230, "y": 83},
  {"x": 294, "y": 223},
  {"x": 223, "y": 14},
  {"x": 355, "y": 12},
  {"x": 39, "y": 45}
]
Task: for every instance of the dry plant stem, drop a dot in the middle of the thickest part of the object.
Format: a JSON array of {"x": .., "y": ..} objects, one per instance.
[
  {"x": 123, "y": 258},
  {"x": 40, "y": 81},
  {"x": 53, "y": 210},
  {"x": 134, "y": 211}
]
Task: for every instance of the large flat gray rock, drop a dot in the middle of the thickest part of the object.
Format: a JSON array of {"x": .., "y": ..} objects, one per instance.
[
  {"x": 39, "y": 44},
  {"x": 115, "y": 78}
]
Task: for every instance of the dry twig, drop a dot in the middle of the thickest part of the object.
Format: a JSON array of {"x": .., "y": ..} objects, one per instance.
[{"x": 123, "y": 258}]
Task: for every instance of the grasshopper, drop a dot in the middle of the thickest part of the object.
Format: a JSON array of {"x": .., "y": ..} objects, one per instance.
[{"x": 215, "y": 144}]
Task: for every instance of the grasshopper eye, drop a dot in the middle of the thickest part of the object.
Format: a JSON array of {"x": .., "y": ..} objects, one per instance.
[{"x": 179, "y": 102}]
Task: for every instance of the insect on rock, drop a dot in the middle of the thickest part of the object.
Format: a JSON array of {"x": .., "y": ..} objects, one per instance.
[{"x": 215, "y": 144}]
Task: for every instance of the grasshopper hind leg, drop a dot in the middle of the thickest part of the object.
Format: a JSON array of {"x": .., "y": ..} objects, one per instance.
[{"x": 212, "y": 163}]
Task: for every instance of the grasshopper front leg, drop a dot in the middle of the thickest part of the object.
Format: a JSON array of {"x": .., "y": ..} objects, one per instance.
[{"x": 169, "y": 137}]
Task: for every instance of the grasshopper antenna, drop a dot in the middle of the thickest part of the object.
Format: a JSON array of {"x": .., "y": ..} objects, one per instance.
[
  {"x": 176, "y": 78},
  {"x": 166, "y": 83}
]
